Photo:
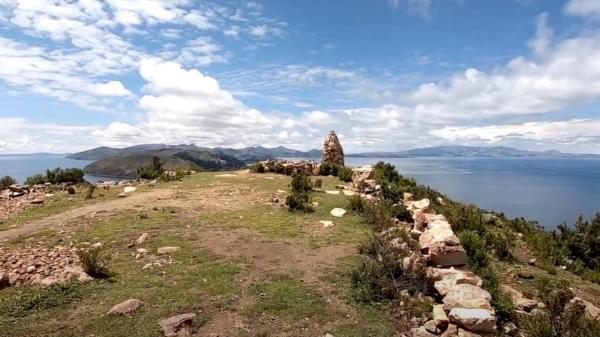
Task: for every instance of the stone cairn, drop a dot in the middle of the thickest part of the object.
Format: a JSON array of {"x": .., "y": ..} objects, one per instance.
[
  {"x": 333, "y": 153},
  {"x": 465, "y": 308}
]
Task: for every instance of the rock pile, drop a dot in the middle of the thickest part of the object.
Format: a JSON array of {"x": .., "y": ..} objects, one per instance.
[
  {"x": 39, "y": 266},
  {"x": 12, "y": 202},
  {"x": 333, "y": 153},
  {"x": 465, "y": 308},
  {"x": 308, "y": 167}
]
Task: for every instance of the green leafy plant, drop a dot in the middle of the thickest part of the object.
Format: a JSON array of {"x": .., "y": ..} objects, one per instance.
[
  {"x": 151, "y": 171},
  {"x": 95, "y": 262},
  {"x": 344, "y": 173},
  {"x": 5, "y": 182}
]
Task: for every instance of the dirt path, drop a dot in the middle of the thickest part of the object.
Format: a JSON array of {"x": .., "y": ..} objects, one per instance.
[{"x": 143, "y": 199}]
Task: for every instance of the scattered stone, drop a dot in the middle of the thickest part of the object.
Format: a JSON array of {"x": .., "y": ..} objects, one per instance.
[
  {"x": 430, "y": 326},
  {"x": 333, "y": 153},
  {"x": 141, "y": 239},
  {"x": 327, "y": 223},
  {"x": 510, "y": 329},
  {"x": 121, "y": 195},
  {"x": 177, "y": 326},
  {"x": 440, "y": 201},
  {"x": 477, "y": 320},
  {"x": 129, "y": 189},
  {"x": 348, "y": 192},
  {"x": 590, "y": 309},
  {"x": 519, "y": 300},
  {"x": 126, "y": 308},
  {"x": 532, "y": 262},
  {"x": 452, "y": 331},
  {"x": 338, "y": 212},
  {"x": 525, "y": 275},
  {"x": 71, "y": 190},
  {"x": 37, "y": 200},
  {"x": 333, "y": 192},
  {"x": 421, "y": 332},
  {"x": 167, "y": 250},
  {"x": 226, "y": 175},
  {"x": 142, "y": 251}
]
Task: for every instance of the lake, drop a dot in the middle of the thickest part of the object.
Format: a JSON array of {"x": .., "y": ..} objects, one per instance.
[
  {"x": 22, "y": 166},
  {"x": 550, "y": 191}
]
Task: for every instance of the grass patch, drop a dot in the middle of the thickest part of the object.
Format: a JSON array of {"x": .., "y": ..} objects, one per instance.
[{"x": 286, "y": 297}]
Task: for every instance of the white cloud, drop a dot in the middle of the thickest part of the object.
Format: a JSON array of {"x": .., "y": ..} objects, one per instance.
[
  {"x": 584, "y": 8},
  {"x": 112, "y": 88},
  {"x": 577, "y": 134}
]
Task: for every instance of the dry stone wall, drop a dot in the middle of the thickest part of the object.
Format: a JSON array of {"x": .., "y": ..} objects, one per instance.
[
  {"x": 333, "y": 153},
  {"x": 465, "y": 308}
]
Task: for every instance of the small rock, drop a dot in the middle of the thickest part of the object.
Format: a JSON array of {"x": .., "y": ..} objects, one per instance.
[
  {"x": 140, "y": 240},
  {"x": 121, "y": 195},
  {"x": 71, "y": 190},
  {"x": 532, "y": 262},
  {"x": 142, "y": 251},
  {"x": 510, "y": 329},
  {"x": 126, "y": 308},
  {"x": 431, "y": 327},
  {"x": 338, "y": 212},
  {"x": 333, "y": 192},
  {"x": 177, "y": 326},
  {"x": 97, "y": 245},
  {"x": 167, "y": 250},
  {"x": 327, "y": 223},
  {"x": 129, "y": 189}
]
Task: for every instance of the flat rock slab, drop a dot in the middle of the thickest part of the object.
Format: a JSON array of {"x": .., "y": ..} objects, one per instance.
[
  {"x": 327, "y": 223},
  {"x": 467, "y": 296},
  {"x": 333, "y": 192},
  {"x": 338, "y": 212},
  {"x": 225, "y": 175},
  {"x": 129, "y": 189},
  {"x": 177, "y": 326},
  {"x": 475, "y": 320},
  {"x": 167, "y": 250},
  {"x": 126, "y": 308}
]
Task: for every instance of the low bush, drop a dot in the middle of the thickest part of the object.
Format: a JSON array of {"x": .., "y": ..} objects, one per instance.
[
  {"x": 379, "y": 215},
  {"x": 57, "y": 176},
  {"x": 91, "y": 188},
  {"x": 299, "y": 199},
  {"x": 318, "y": 183},
  {"x": 257, "y": 168},
  {"x": 344, "y": 173},
  {"x": 5, "y": 182},
  {"x": 476, "y": 248},
  {"x": 151, "y": 171},
  {"x": 328, "y": 170},
  {"x": 356, "y": 203},
  {"x": 95, "y": 262}
]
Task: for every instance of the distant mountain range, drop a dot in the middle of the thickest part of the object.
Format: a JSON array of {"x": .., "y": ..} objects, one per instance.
[
  {"x": 124, "y": 162},
  {"x": 471, "y": 151}
]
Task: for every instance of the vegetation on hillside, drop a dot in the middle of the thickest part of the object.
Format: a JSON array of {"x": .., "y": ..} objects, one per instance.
[
  {"x": 153, "y": 170},
  {"x": 5, "y": 182},
  {"x": 299, "y": 198},
  {"x": 57, "y": 176}
]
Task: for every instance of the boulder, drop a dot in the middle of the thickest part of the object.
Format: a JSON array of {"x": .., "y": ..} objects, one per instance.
[
  {"x": 451, "y": 331},
  {"x": 361, "y": 174},
  {"x": 519, "y": 300},
  {"x": 177, "y": 326},
  {"x": 446, "y": 278},
  {"x": 419, "y": 204},
  {"x": 590, "y": 309},
  {"x": 338, "y": 212},
  {"x": 430, "y": 326},
  {"x": 438, "y": 233},
  {"x": 447, "y": 256},
  {"x": 126, "y": 308},
  {"x": 333, "y": 153},
  {"x": 467, "y": 296},
  {"x": 167, "y": 250},
  {"x": 476, "y": 320},
  {"x": 38, "y": 200}
]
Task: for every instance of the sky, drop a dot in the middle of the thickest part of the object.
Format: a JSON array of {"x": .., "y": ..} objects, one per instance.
[{"x": 384, "y": 74}]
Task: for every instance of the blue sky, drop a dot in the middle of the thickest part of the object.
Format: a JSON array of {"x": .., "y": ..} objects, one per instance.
[{"x": 385, "y": 74}]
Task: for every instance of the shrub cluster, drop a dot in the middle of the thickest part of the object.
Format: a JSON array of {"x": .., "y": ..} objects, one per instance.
[
  {"x": 257, "y": 168},
  {"x": 95, "y": 262},
  {"x": 299, "y": 198},
  {"x": 344, "y": 173},
  {"x": 5, "y": 182},
  {"x": 57, "y": 176},
  {"x": 153, "y": 170}
]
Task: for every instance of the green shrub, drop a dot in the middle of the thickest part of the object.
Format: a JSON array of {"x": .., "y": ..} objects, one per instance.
[
  {"x": 257, "y": 168},
  {"x": 344, "y": 173},
  {"x": 301, "y": 183},
  {"x": 57, "y": 176},
  {"x": 298, "y": 201},
  {"x": 476, "y": 248},
  {"x": 328, "y": 170},
  {"x": 5, "y": 182},
  {"x": 318, "y": 183},
  {"x": 151, "y": 171},
  {"x": 378, "y": 215},
  {"x": 356, "y": 203},
  {"x": 95, "y": 262},
  {"x": 403, "y": 214}
]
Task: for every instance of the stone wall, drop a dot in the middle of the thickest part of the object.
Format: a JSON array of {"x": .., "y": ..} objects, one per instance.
[
  {"x": 465, "y": 307},
  {"x": 308, "y": 167}
]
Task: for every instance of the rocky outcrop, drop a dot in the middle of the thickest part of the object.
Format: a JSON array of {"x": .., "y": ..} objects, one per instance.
[
  {"x": 333, "y": 153},
  {"x": 308, "y": 167},
  {"x": 177, "y": 326}
]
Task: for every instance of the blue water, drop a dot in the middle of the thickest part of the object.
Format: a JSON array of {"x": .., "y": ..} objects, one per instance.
[
  {"x": 22, "y": 166},
  {"x": 550, "y": 191}
]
